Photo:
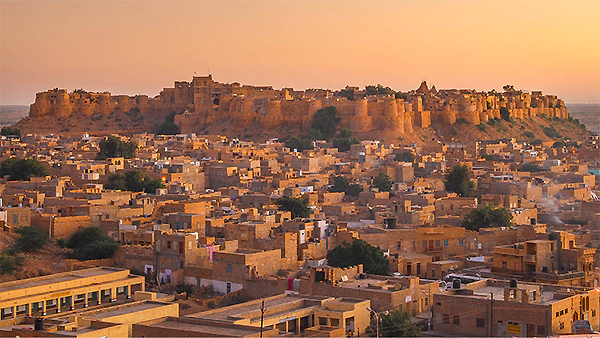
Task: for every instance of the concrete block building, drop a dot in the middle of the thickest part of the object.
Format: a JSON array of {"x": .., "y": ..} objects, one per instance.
[{"x": 501, "y": 308}]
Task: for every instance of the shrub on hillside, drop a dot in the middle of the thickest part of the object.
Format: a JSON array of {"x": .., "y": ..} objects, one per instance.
[{"x": 91, "y": 243}]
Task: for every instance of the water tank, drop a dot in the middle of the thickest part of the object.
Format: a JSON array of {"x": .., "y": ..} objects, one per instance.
[
  {"x": 513, "y": 283},
  {"x": 39, "y": 324},
  {"x": 456, "y": 283}
]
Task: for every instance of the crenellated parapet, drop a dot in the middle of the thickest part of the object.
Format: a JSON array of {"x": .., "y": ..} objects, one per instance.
[{"x": 206, "y": 101}]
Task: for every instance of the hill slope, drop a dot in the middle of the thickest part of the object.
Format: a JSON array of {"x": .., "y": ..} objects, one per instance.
[{"x": 529, "y": 128}]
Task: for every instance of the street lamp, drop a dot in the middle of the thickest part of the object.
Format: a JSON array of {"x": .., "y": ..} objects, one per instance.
[{"x": 377, "y": 319}]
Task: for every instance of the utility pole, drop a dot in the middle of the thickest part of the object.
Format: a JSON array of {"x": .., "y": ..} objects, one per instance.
[
  {"x": 262, "y": 316},
  {"x": 491, "y": 314},
  {"x": 431, "y": 303}
]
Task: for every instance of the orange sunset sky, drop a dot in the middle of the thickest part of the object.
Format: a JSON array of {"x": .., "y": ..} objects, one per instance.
[{"x": 140, "y": 47}]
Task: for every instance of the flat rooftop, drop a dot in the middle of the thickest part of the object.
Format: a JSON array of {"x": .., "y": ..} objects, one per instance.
[
  {"x": 122, "y": 309},
  {"x": 387, "y": 285},
  {"x": 484, "y": 288},
  {"x": 201, "y": 326},
  {"x": 276, "y": 307},
  {"x": 57, "y": 278},
  {"x": 498, "y": 291},
  {"x": 31, "y": 287}
]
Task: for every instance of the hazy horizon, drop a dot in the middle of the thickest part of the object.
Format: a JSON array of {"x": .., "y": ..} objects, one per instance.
[{"x": 134, "y": 47}]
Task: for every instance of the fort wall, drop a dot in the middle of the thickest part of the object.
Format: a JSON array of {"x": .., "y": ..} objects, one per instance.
[{"x": 204, "y": 101}]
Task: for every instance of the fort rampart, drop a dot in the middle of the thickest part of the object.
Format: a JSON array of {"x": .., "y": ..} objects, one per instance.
[{"x": 203, "y": 101}]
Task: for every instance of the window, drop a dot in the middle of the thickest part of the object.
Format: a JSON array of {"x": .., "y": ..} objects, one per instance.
[
  {"x": 181, "y": 264},
  {"x": 446, "y": 319},
  {"x": 567, "y": 310},
  {"x": 557, "y": 313},
  {"x": 532, "y": 296},
  {"x": 593, "y": 313},
  {"x": 335, "y": 322},
  {"x": 437, "y": 243},
  {"x": 480, "y": 322},
  {"x": 445, "y": 242},
  {"x": 456, "y": 320},
  {"x": 16, "y": 219},
  {"x": 461, "y": 242},
  {"x": 180, "y": 247},
  {"x": 562, "y": 326},
  {"x": 168, "y": 244},
  {"x": 228, "y": 287},
  {"x": 228, "y": 268},
  {"x": 504, "y": 264},
  {"x": 418, "y": 268},
  {"x": 562, "y": 312},
  {"x": 425, "y": 244},
  {"x": 323, "y": 321}
]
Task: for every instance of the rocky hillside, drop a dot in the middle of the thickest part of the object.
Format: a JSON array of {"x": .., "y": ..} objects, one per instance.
[
  {"x": 116, "y": 122},
  {"x": 48, "y": 260},
  {"x": 529, "y": 128}
]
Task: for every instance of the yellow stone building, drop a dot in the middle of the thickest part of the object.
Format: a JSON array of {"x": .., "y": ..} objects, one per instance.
[{"x": 66, "y": 291}]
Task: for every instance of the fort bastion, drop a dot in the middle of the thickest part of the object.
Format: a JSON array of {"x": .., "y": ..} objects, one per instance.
[{"x": 203, "y": 101}]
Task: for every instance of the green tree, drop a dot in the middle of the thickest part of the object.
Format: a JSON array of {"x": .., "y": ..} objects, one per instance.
[
  {"x": 297, "y": 206},
  {"x": 487, "y": 216},
  {"x": 341, "y": 184},
  {"x": 347, "y": 93},
  {"x": 383, "y": 182},
  {"x": 405, "y": 156},
  {"x": 134, "y": 180},
  {"x": 325, "y": 121},
  {"x": 116, "y": 182},
  {"x": 112, "y": 146},
  {"x": 344, "y": 140},
  {"x": 299, "y": 144},
  {"x": 91, "y": 243},
  {"x": 458, "y": 180},
  {"x": 31, "y": 239},
  {"x": 359, "y": 252},
  {"x": 397, "y": 323},
  {"x": 22, "y": 169},
  {"x": 9, "y": 263},
  {"x": 378, "y": 90},
  {"x": 530, "y": 167},
  {"x": 168, "y": 126},
  {"x": 8, "y": 131}
]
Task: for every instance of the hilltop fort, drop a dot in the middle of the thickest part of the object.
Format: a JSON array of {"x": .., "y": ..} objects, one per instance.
[{"x": 204, "y": 101}]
